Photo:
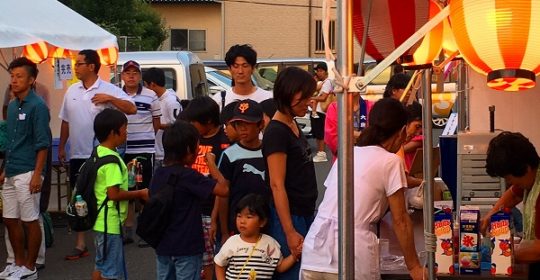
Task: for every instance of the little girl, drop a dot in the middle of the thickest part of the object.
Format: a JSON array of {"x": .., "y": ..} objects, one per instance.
[{"x": 251, "y": 255}]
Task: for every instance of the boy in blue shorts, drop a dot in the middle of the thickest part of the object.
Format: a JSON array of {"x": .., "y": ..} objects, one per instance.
[{"x": 110, "y": 128}]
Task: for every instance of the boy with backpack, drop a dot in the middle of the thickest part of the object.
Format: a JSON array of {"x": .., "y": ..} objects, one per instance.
[
  {"x": 242, "y": 164},
  {"x": 180, "y": 248},
  {"x": 111, "y": 194}
]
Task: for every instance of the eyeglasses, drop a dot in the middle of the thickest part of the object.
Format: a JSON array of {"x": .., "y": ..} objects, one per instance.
[{"x": 77, "y": 64}]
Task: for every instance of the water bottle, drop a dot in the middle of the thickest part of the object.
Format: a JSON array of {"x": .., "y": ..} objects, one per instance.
[
  {"x": 139, "y": 174},
  {"x": 80, "y": 206},
  {"x": 131, "y": 174}
]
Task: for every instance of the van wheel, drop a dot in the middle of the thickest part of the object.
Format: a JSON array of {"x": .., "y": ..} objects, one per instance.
[{"x": 439, "y": 122}]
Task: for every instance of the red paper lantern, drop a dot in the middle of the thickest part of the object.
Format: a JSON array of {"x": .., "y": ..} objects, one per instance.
[
  {"x": 36, "y": 52},
  {"x": 390, "y": 24},
  {"x": 430, "y": 47},
  {"x": 108, "y": 56},
  {"x": 497, "y": 39}
]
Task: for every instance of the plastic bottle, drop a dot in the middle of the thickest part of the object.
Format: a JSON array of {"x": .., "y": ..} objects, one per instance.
[
  {"x": 131, "y": 174},
  {"x": 139, "y": 175},
  {"x": 80, "y": 206}
]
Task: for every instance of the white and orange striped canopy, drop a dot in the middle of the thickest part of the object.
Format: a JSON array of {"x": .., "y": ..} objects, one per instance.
[
  {"x": 499, "y": 38},
  {"x": 390, "y": 24}
]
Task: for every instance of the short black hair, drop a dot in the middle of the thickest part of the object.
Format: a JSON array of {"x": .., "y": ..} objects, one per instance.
[
  {"x": 202, "y": 109},
  {"x": 414, "y": 112},
  {"x": 386, "y": 118},
  {"x": 288, "y": 83},
  {"x": 246, "y": 51},
  {"x": 179, "y": 140},
  {"x": 227, "y": 112},
  {"x": 510, "y": 153},
  {"x": 397, "y": 81},
  {"x": 91, "y": 57},
  {"x": 107, "y": 121},
  {"x": 31, "y": 67},
  {"x": 256, "y": 204},
  {"x": 154, "y": 75},
  {"x": 269, "y": 107}
]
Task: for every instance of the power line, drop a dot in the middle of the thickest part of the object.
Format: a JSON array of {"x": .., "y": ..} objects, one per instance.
[{"x": 271, "y": 4}]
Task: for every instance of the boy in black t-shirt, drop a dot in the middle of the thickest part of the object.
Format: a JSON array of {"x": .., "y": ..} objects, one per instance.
[
  {"x": 203, "y": 113},
  {"x": 242, "y": 164}
]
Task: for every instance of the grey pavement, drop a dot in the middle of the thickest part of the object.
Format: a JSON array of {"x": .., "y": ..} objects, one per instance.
[{"x": 140, "y": 262}]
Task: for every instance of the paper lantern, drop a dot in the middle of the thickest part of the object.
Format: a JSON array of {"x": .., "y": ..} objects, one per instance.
[
  {"x": 108, "y": 56},
  {"x": 61, "y": 53},
  {"x": 36, "y": 52},
  {"x": 430, "y": 47},
  {"x": 390, "y": 24},
  {"x": 497, "y": 38}
]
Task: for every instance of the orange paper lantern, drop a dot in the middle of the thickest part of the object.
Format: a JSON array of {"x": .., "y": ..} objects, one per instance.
[
  {"x": 36, "y": 52},
  {"x": 108, "y": 56},
  {"x": 430, "y": 47},
  {"x": 61, "y": 53},
  {"x": 497, "y": 39}
]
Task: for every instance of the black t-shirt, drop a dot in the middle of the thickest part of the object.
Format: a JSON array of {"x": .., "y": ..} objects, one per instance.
[
  {"x": 216, "y": 145},
  {"x": 246, "y": 171},
  {"x": 184, "y": 236},
  {"x": 300, "y": 179}
]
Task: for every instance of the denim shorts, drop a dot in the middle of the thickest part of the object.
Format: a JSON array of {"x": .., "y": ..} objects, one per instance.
[
  {"x": 112, "y": 267},
  {"x": 179, "y": 267},
  {"x": 301, "y": 224}
]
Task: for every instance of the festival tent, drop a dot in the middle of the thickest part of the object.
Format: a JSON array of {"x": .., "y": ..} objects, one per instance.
[{"x": 27, "y": 22}]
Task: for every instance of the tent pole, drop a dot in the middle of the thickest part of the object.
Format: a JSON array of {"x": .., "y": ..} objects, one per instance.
[
  {"x": 428, "y": 172},
  {"x": 345, "y": 147}
]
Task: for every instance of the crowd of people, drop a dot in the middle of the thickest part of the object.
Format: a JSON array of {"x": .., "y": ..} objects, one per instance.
[{"x": 243, "y": 172}]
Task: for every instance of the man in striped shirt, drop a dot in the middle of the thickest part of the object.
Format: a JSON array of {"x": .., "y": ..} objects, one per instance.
[{"x": 142, "y": 128}]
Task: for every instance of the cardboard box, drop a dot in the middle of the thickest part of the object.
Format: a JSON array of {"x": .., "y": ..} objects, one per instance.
[
  {"x": 502, "y": 255},
  {"x": 469, "y": 240},
  {"x": 444, "y": 254}
]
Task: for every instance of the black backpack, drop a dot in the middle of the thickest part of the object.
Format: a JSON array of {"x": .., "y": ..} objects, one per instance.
[
  {"x": 155, "y": 216},
  {"x": 85, "y": 188}
]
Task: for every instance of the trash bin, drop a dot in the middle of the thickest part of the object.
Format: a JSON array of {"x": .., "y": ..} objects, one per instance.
[{"x": 448, "y": 146}]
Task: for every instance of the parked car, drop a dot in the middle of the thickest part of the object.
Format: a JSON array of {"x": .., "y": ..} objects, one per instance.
[
  {"x": 217, "y": 80},
  {"x": 184, "y": 71}
]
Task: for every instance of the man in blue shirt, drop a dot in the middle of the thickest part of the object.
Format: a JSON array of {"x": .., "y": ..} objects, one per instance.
[{"x": 29, "y": 137}]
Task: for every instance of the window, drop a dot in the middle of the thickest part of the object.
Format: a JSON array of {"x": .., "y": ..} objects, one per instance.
[
  {"x": 319, "y": 41},
  {"x": 188, "y": 40}
]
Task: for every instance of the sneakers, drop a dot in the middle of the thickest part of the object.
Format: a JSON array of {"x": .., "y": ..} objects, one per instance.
[
  {"x": 142, "y": 244},
  {"x": 77, "y": 254},
  {"x": 320, "y": 157},
  {"x": 10, "y": 268},
  {"x": 23, "y": 273}
]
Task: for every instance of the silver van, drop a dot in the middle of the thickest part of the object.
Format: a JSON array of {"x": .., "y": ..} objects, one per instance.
[{"x": 184, "y": 71}]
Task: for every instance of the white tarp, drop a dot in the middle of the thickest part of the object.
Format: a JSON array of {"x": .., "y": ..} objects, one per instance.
[{"x": 24, "y": 22}]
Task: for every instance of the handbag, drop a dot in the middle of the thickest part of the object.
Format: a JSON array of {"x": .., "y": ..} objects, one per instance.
[
  {"x": 331, "y": 98},
  {"x": 416, "y": 200}
]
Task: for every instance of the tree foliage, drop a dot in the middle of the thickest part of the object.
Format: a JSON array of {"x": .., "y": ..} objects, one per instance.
[{"x": 132, "y": 18}]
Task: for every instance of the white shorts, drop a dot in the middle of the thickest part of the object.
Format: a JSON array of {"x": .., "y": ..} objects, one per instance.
[{"x": 17, "y": 200}]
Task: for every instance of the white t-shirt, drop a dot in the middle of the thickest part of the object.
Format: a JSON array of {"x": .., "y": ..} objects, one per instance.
[
  {"x": 258, "y": 95},
  {"x": 170, "y": 108},
  {"x": 141, "y": 136},
  {"x": 378, "y": 174},
  {"x": 234, "y": 253},
  {"x": 79, "y": 111},
  {"x": 326, "y": 87}
]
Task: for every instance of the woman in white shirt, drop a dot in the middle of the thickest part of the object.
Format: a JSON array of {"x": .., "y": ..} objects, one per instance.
[{"x": 379, "y": 182}]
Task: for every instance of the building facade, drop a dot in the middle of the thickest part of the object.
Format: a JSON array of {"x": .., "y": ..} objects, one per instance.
[{"x": 275, "y": 28}]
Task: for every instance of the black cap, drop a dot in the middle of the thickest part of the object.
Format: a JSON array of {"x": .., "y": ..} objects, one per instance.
[
  {"x": 131, "y": 63},
  {"x": 322, "y": 65},
  {"x": 247, "y": 111}
]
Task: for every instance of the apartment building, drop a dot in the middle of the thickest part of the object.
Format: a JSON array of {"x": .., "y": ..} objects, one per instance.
[{"x": 275, "y": 28}]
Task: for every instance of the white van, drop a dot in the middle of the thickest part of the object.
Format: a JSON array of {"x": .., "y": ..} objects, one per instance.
[{"x": 184, "y": 71}]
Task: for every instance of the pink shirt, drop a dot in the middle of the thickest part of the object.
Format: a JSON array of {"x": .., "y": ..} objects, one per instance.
[{"x": 331, "y": 126}]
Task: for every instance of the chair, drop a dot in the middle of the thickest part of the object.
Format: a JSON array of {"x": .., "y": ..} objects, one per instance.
[{"x": 59, "y": 169}]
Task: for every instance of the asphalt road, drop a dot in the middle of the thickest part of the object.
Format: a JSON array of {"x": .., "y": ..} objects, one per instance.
[{"x": 140, "y": 262}]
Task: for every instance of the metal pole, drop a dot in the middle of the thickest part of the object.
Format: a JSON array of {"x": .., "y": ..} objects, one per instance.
[
  {"x": 462, "y": 95},
  {"x": 428, "y": 170},
  {"x": 345, "y": 149}
]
